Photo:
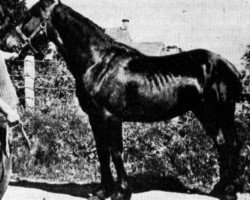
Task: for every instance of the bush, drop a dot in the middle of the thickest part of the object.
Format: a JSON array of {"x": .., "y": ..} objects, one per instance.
[
  {"x": 159, "y": 149},
  {"x": 62, "y": 148}
]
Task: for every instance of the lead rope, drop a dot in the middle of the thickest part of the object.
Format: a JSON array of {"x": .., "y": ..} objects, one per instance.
[{"x": 25, "y": 136}]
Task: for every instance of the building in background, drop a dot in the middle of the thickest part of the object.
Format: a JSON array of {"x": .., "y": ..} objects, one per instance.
[{"x": 121, "y": 34}]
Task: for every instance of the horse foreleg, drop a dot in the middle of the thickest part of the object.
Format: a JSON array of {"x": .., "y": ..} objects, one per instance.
[
  {"x": 114, "y": 130},
  {"x": 98, "y": 124}
]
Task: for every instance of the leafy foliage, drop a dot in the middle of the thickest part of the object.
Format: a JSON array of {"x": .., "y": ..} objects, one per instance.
[
  {"x": 58, "y": 149},
  {"x": 54, "y": 86},
  {"x": 160, "y": 149}
]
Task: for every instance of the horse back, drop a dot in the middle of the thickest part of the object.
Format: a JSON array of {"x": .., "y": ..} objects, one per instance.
[
  {"x": 144, "y": 88},
  {"x": 204, "y": 66}
]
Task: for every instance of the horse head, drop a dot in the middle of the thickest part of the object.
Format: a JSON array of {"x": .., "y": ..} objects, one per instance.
[{"x": 36, "y": 31}]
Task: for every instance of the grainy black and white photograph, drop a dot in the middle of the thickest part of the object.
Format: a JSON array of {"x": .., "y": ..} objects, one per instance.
[{"x": 124, "y": 99}]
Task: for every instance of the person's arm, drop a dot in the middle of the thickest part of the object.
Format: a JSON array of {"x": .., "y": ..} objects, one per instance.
[
  {"x": 11, "y": 114},
  {"x": 8, "y": 55}
]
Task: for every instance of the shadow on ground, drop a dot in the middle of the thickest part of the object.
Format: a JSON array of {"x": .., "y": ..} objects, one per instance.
[{"x": 140, "y": 183}]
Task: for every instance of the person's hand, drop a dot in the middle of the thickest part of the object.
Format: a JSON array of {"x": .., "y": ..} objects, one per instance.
[
  {"x": 13, "y": 118},
  {"x": 14, "y": 55}
]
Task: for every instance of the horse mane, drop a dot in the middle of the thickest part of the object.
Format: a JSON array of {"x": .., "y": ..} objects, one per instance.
[
  {"x": 99, "y": 31},
  {"x": 85, "y": 20}
]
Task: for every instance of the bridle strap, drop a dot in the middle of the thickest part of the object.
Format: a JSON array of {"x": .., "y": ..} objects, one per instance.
[
  {"x": 41, "y": 27},
  {"x": 27, "y": 40},
  {"x": 21, "y": 34}
]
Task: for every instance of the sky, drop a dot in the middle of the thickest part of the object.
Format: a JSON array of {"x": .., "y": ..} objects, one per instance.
[{"x": 222, "y": 26}]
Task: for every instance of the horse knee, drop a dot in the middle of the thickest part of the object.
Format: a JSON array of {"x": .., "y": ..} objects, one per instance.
[
  {"x": 220, "y": 140},
  {"x": 114, "y": 133},
  {"x": 116, "y": 154},
  {"x": 113, "y": 123}
]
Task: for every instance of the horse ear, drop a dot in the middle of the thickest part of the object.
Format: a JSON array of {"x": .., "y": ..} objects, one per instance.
[{"x": 46, "y": 3}]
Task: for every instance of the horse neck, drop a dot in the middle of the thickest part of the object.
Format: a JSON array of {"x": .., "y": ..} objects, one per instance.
[{"x": 84, "y": 45}]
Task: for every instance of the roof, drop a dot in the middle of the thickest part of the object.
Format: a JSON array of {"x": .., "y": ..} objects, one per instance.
[
  {"x": 119, "y": 34},
  {"x": 150, "y": 48}
]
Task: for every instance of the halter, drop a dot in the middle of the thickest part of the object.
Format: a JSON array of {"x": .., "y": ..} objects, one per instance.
[
  {"x": 42, "y": 28},
  {"x": 27, "y": 40}
]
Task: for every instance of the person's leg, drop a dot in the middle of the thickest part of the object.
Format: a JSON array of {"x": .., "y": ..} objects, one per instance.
[{"x": 5, "y": 162}]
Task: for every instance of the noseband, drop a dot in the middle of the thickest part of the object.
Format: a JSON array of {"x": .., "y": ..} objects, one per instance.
[{"x": 27, "y": 40}]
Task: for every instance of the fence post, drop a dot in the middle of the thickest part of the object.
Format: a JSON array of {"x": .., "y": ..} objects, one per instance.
[{"x": 29, "y": 79}]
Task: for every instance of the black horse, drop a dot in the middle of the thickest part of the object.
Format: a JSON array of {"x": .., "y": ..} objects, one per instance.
[{"x": 116, "y": 83}]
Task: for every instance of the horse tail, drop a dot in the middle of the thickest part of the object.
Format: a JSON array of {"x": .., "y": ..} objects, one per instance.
[
  {"x": 244, "y": 96},
  {"x": 232, "y": 77},
  {"x": 235, "y": 79}
]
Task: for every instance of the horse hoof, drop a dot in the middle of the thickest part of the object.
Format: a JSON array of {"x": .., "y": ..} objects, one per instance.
[
  {"x": 230, "y": 193},
  {"x": 122, "y": 195},
  {"x": 95, "y": 198},
  {"x": 234, "y": 197},
  {"x": 101, "y": 193},
  {"x": 98, "y": 194},
  {"x": 229, "y": 197},
  {"x": 227, "y": 194}
]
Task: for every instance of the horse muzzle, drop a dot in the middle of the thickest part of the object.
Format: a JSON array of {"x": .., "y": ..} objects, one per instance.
[{"x": 13, "y": 44}]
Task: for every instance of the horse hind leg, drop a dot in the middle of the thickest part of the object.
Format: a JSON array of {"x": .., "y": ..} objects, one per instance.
[
  {"x": 218, "y": 122},
  {"x": 229, "y": 152},
  {"x": 114, "y": 130}
]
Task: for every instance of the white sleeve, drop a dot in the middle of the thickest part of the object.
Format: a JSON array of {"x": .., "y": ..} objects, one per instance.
[{"x": 6, "y": 55}]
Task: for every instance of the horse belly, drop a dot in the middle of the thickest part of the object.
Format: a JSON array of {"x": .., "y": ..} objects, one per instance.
[
  {"x": 143, "y": 104},
  {"x": 153, "y": 108}
]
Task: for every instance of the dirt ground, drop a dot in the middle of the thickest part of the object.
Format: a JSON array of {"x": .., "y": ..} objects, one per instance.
[{"x": 18, "y": 193}]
